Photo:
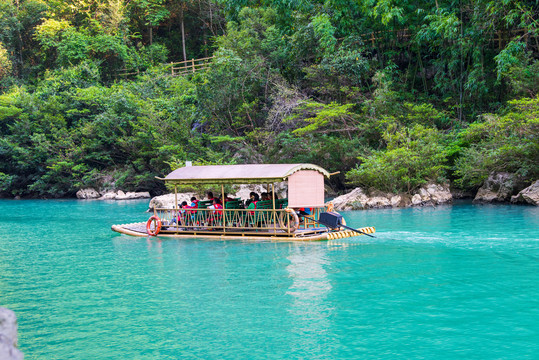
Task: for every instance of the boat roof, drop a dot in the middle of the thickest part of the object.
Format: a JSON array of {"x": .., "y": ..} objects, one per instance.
[{"x": 238, "y": 174}]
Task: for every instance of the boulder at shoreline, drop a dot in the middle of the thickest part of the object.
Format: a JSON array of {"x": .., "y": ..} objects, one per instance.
[
  {"x": 167, "y": 201},
  {"x": 91, "y": 193},
  {"x": 498, "y": 188},
  {"x": 428, "y": 195},
  {"x": 529, "y": 195},
  {"x": 8, "y": 336}
]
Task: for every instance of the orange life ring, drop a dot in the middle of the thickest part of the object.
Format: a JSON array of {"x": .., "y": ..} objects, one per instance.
[
  {"x": 294, "y": 224},
  {"x": 157, "y": 226}
]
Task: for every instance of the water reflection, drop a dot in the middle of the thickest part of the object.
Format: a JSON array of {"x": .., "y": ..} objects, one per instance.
[{"x": 309, "y": 290}]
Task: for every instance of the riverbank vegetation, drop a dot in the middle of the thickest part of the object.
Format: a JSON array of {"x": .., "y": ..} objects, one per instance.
[{"x": 391, "y": 93}]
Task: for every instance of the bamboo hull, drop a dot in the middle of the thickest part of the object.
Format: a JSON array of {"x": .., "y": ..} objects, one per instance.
[{"x": 130, "y": 229}]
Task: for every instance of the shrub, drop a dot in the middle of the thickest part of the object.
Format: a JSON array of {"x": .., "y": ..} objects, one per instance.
[
  {"x": 413, "y": 157},
  {"x": 505, "y": 143}
]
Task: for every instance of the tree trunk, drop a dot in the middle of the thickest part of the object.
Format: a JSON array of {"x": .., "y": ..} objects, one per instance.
[{"x": 183, "y": 35}]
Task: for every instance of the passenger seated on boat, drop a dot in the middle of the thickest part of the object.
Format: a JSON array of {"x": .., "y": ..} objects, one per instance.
[
  {"x": 181, "y": 215},
  {"x": 226, "y": 198},
  {"x": 216, "y": 206},
  {"x": 178, "y": 217},
  {"x": 210, "y": 195},
  {"x": 215, "y": 217},
  {"x": 253, "y": 199},
  {"x": 264, "y": 196},
  {"x": 194, "y": 203},
  {"x": 302, "y": 212},
  {"x": 185, "y": 205}
]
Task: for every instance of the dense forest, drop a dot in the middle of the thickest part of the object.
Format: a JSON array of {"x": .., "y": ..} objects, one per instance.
[{"x": 392, "y": 93}]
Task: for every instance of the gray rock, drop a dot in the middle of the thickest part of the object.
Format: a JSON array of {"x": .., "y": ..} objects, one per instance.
[
  {"x": 88, "y": 193},
  {"x": 109, "y": 195},
  {"x": 417, "y": 200},
  {"x": 354, "y": 200},
  {"x": 8, "y": 336},
  {"x": 498, "y": 188},
  {"x": 529, "y": 195},
  {"x": 378, "y": 201},
  {"x": 132, "y": 195},
  {"x": 357, "y": 199},
  {"x": 439, "y": 194},
  {"x": 120, "y": 195},
  {"x": 167, "y": 201}
]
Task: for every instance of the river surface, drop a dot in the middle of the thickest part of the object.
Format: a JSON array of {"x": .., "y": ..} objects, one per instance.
[{"x": 452, "y": 282}]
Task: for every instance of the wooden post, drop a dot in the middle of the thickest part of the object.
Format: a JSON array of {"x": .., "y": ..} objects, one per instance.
[
  {"x": 176, "y": 203},
  {"x": 224, "y": 206},
  {"x": 172, "y": 68},
  {"x": 274, "y": 211},
  {"x": 193, "y": 62}
]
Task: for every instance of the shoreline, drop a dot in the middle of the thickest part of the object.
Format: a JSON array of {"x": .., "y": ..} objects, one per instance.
[
  {"x": 495, "y": 191},
  {"x": 459, "y": 201}
]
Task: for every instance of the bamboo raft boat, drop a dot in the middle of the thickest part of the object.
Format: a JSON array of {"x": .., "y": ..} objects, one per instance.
[{"x": 274, "y": 220}]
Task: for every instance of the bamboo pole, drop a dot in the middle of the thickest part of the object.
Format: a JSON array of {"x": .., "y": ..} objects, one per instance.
[
  {"x": 176, "y": 202},
  {"x": 274, "y": 211},
  {"x": 223, "y": 204}
]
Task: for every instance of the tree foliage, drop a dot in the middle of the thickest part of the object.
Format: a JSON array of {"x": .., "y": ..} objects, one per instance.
[
  {"x": 392, "y": 93},
  {"x": 501, "y": 143},
  {"x": 413, "y": 157}
]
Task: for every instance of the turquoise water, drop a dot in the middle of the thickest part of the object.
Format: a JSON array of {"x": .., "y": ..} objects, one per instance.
[{"x": 455, "y": 282}]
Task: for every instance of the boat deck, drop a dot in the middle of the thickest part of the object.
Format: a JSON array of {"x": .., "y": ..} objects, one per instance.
[{"x": 309, "y": 234}]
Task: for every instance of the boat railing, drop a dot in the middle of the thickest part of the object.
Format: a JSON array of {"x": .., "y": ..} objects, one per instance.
[{"x": 231, "y": 220}]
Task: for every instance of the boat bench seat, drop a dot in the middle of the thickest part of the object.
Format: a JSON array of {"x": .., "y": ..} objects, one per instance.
[{"x": 236, "y": 204}]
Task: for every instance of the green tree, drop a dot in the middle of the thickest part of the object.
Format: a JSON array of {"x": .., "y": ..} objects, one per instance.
[
  {"x": 414, "y": 156},
  {"x": 501, "y": 143},
  {"x": 5, "y": 63}
]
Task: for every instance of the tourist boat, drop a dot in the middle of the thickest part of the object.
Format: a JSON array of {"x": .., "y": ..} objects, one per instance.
[{"x": 275, "y": 219}]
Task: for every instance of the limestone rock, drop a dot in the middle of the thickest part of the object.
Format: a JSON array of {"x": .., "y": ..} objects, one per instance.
[
  {"x": 167, "y": 201},
  {"x": 416, "y": 200},
  {"x": 354, "y": 200},
  {"x": 498, "y": 188},
  {"x": 8, "y": 336},
  {"x": 132, "y": 195},
  {"x": 109, "y": 195},
  {"x": 430, "y": 194},
  {"x": 88, "y": 193},
  {"x": 439, "y": 194},
  {"x": 378, "y": 201},
  {"x": 120, "y": 195},
  {"x": 529, "y": 195},
  {"x": 396, "y": 200}
]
